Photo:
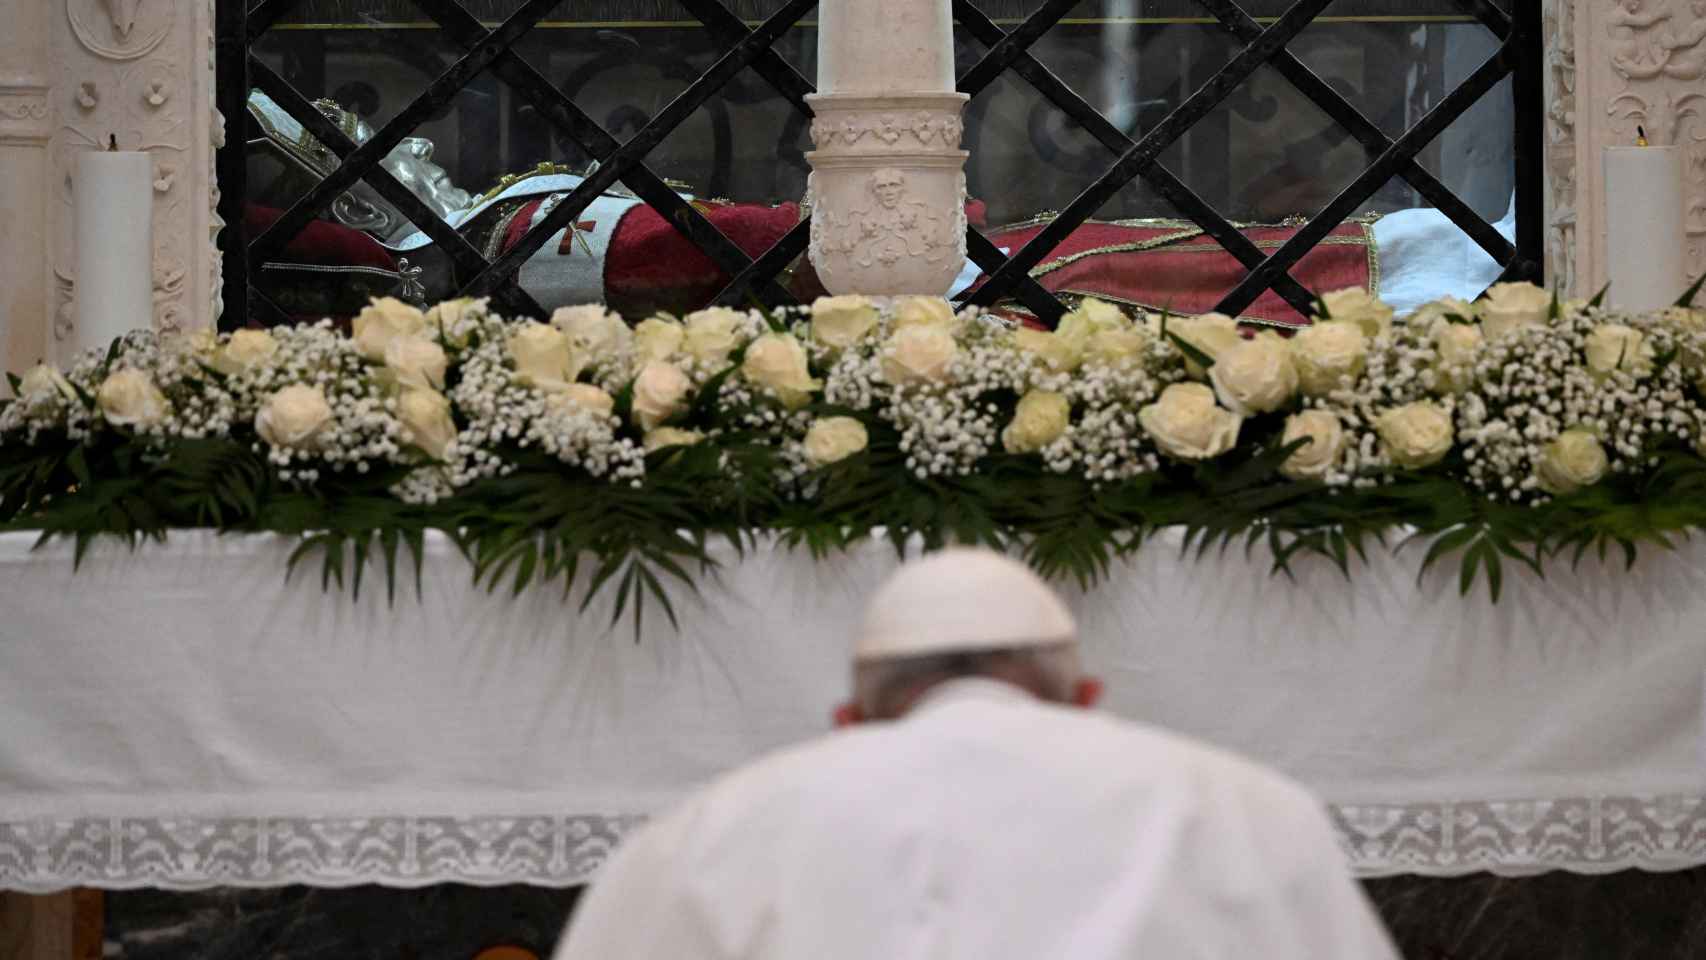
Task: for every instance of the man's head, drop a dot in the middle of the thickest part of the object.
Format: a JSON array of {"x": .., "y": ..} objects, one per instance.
[
  {"x": 889, "y": 186},
  {"x": 963, "y": 613}
]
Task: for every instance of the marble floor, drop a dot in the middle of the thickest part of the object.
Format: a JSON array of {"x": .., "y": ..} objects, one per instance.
[{"x": 1626, "y": 916}]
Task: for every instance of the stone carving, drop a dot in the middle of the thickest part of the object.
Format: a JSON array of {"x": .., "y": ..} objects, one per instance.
[
  {"x": 886, "y": 192},
  {"x": 1649, "y": 39},
  {"x": 1654, "y": 62},
  {"x": 895, "y": 228},
  {"x": 122, "y": 65},
  {"x": 1661, "y": 115},
  {"x": 1634, "y": 52},
  {"x": 1560, "y": 32},
  {"x": 925, "y": 128},
  {"x": 25, "y": 115},
  {"x": 121, "y": 29},
  {"x": 123, "y": 15}
]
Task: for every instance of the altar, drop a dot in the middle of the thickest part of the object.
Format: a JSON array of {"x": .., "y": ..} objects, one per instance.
[
  {"x": 212, "y": 725},
  {"x": 536, "y": 229}
]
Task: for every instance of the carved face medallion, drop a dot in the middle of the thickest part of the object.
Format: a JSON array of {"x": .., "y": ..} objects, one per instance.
[
  {"x": 888, "y": 185},
  {"x": 123, "y": 16}
]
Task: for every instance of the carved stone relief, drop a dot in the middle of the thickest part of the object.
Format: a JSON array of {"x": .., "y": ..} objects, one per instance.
[
  {"x": 1650, "y": 76},
  {"x": 1561, "y": 179},
  {"x": 25, "y": 114},
  {"x": 120, "y": 29},
  {"x": 135, "y": 71}
]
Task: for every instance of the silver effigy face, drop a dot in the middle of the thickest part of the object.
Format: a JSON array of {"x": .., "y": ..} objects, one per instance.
[{"x": 411, "y": 163}]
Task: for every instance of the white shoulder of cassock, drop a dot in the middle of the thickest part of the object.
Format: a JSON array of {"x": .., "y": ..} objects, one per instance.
[{"x": 985, "y": 826}]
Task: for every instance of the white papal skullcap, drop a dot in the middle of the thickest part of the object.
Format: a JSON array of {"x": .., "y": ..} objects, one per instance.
[{"x": 962, "y": 599}]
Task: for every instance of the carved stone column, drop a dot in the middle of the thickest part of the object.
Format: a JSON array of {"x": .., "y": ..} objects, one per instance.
[
  {"x": 72, "y": 73},
  {"x": 140, "y": 70},
  {"x": 1634, "y": 62},
  {"x": 27, "y": 118},
  {"x": 888, "y": 184}
]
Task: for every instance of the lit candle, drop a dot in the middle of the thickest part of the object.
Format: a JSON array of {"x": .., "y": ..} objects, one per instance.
[
  {"x": 115, "y": 244},
  {"x": 885, "y": 46},
  {"x": 1644, "y": 240}
]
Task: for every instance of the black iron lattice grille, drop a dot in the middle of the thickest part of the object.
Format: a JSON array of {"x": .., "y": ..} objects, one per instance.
[{"x": 239, "y": 24}]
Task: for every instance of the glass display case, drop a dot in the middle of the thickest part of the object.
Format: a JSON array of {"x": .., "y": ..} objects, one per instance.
[{"x": 486, "y": 157}]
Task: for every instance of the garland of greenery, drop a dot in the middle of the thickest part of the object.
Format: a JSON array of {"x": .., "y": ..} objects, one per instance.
[{"x": 540, "y": 520}]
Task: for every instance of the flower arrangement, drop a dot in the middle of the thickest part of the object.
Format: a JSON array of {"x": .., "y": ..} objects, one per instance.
[{"x": 1506, "y": 429}]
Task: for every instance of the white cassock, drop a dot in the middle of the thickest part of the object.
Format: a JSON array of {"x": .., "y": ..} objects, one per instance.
[{"x": 985, "y": 825}]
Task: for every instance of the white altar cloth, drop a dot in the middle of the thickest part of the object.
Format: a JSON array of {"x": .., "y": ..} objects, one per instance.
[{"x": 181, "y": 716}]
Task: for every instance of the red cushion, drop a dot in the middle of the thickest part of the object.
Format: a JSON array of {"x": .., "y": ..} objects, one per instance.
[{"x": 320, "y": 243}]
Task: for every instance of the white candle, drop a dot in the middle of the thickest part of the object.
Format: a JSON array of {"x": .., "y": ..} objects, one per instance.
[
  {"x": 115, "y": 245},
  {"x": 885, "y": 46},
  {"x": 1644, "y": 237}
]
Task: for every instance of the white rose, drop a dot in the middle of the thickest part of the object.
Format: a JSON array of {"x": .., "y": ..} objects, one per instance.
[
  {"x": 1613, "y": 346},
  {"x": 246, "y": 350},
  {"x": 1058, "y": 353},
  {"x": 1326, "y": 436},
  {"x": 426, "y": 415},
  {"x": 839, "y": 322},
  {"x": 199, "y": 343},
  {"x": 1039, "y": 420},
  {"x": 670, "y": 437},
  {"x": 1572, "y": 461},
  {"x": 1255, "y": 376},
  {"x": 417, "y": 362},
  {"x": 777, "y": 361},
  {"x": 1415, "y": 435},
  {"x": 834, "y": 439},
  {"x": 129, "y": 398},
  {"x": 1456, "y": 345},
  {"x": 1511, "y": 306},
  {"x": 1686, "y": 319},
  {"x": 657, "y": 338},
  {"x": 594, "y": 332},
  {"x": 1186, "y": 423},
  {"x": 1356, "y": 305},
  {"x": 713, "y": 334},
  {"x": 660, "y": 392},
  {"x": 1101, "y": 314},
  {"x": 1329, "y": 354},
  {"x": 1117, "y": 347},
  {"x": 919, "y": 355},
  {"x": 385, "y": 319},
  {"x": 1210, "y": 333},
  {"x": 44, "y": 381},
  {"x": 293, "y": 416},
  {"x": 447, "y": 316},
  {"x": 922, "y": 312},
  {"x": 543, "y": 357},
  {"x": 1090, "y": 318},
  {"x": 1442, "y": 309},
  {"x": 582, "y": 396}
]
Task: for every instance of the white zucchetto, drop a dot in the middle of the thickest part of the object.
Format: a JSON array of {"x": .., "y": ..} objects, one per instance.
[{"x": 962, "y": 599}]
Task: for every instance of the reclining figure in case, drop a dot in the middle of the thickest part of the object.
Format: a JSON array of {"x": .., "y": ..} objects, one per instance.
[{"x": 621, "y": 252}]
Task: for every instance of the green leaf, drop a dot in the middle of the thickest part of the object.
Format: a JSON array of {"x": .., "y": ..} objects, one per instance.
[
  {"x": 1446, "y": 544},
  {"x": 78, "y": 464},
  {"x": 1687, "y": 299},
  {"x": 17, "y": 384},
  {"x": 1191, "y": 352},
  {"x": 1599, "y": 298}
]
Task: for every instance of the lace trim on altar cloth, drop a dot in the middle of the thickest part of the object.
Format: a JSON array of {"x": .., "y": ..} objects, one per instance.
[{"x": 1581, "y": 835}]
